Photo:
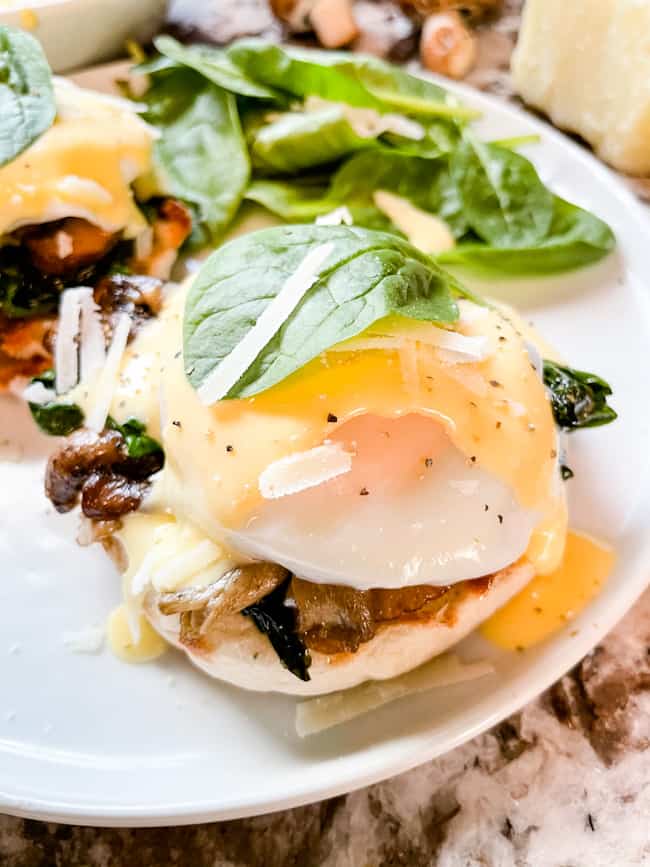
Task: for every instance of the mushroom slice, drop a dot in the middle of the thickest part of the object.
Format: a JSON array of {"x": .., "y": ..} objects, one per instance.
[{"x": 235, "y": 590}]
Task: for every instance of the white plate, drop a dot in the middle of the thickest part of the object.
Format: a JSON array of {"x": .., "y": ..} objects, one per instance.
[{"x": 88, "y": 739}]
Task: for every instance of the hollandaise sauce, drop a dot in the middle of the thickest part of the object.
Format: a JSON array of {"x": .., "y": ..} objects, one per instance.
[
  {"x": 148, "y": 645},
  {"x": 551, "y": 601}
]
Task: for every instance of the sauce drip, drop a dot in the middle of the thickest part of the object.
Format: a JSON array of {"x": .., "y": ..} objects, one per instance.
[
  {"x": 550, "y": 601},
  {"x": 148, "y": 647}
]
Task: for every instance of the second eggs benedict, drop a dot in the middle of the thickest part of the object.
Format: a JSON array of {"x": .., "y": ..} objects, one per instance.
[{"x": 68, "y": 210}]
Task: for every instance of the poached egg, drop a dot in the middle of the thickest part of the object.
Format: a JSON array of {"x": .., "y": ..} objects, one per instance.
[{"x": 394, "y": 460}]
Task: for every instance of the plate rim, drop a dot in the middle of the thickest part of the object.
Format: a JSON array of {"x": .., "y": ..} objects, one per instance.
[{"x": 427, "y": 747}]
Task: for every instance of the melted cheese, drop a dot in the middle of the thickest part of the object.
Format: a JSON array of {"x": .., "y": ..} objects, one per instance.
[
  {"x": 495, "y": 411},
  {"x": 551, "y": 601},
  {"x": 83, "y": 166}
]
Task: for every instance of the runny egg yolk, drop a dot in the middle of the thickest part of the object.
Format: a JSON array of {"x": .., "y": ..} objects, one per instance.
[
  {"x": 82, "y": 166},
  {"x": 490, "y": 417}
]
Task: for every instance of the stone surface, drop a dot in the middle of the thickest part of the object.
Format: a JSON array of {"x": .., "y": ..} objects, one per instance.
[{"x": 564, "y": 783}]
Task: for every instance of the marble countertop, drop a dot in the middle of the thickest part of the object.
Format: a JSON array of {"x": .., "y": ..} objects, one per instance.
[{"x": 563, "y": 783}]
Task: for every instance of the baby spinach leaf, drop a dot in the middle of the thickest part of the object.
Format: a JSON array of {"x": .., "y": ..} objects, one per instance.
[
  {"x": 278, "y": 621},
  {"x": 138, "y": 442},
  {"x": 201, "y": 155},
  {"x": 214, "y": 64},
  {"x": 301, "y": 140},
  {"x": 502, "y": 197},
  {"x": 579, "y": 399},
  {"x": 27, "y": 106},
  {"x": 367, "y": 276},
  {"x": 342, "y": 77},
  {"x": 575, "y": 238},
  {"x": 426, "y": 183},
  {"x": 295, "y": 201}
]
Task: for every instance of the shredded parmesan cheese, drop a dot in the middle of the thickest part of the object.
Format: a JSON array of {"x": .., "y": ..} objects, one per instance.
[
  {"x": 37, "y": 393},
  {"x": 66, "y": 361},
  {"x": 107, "y": 381},
  {"x": 337, "y": 217},
  {"x": 321, "y": 713},
  {"x": 424, "y": 230},
  {"x": 368, "y": 123},
  {"x": 408, "y": 360},
  {"x": 88, "y": 640},
  {"x": 92, "y": 349},
  {"x": 304, "y": 470},
  {"x": 470, "y": 312},
  {"x": 179, "y": 570},
  {"x": 234, "y": 365},
  {"x": 362, "y": 344}
]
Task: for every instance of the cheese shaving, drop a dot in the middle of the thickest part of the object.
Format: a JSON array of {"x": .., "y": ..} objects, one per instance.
[
  {"x": 363, "y": 344},
  {"x": 337, "y": 217},
  {"x": 326, "y": 711},
  {"x": 178, "y": 570},
  {"x": 234, "y": 365},
  {"x": 424, "y": 230},
  {"x": 408, "y": 360},
  {"x": 88, "y": 640},
  {"x": 107, "y": 381},
  {"x": 470, "y": 312},
  {"x": 92, "y": 349},
  {"x": 304, "y": 470},
  {"x": 66, "y": 360},
  {"x": 457, "y": 347},
  {"x": 37, "y": 393},
  {"x": 368, "y": 123}
]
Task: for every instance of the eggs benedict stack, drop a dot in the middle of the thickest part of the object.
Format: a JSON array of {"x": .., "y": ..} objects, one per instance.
[{"x": 333, "y": 507}]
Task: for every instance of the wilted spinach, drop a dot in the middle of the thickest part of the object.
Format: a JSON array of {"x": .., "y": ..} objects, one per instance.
[
  {"x": 138, "y": 442},
  {"x": 278, "y": 621},
  {"x": 578, "y": 399},
  {"x": 55, "y": 418}
]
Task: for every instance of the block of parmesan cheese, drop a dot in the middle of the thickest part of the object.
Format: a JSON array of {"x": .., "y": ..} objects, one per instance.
[{"x": 586, "y": 63}]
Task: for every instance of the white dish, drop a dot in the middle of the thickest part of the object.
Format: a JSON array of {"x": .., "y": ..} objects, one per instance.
[
  {"x": 85, "y": 738},
  {"x": 75, "y": 33}
]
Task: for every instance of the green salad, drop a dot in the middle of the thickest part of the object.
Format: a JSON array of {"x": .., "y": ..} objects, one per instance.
[{"x": 304, "y": 132}]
